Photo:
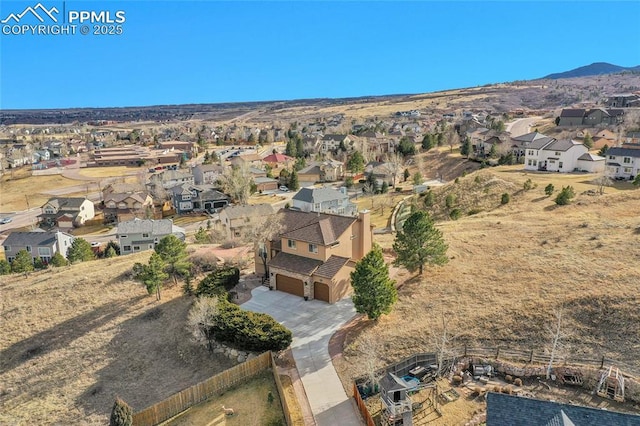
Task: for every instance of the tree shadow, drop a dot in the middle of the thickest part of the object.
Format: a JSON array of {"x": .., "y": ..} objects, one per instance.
[
  {"x": 61, "y": 335},
  {"x": 151, "y": 357}
]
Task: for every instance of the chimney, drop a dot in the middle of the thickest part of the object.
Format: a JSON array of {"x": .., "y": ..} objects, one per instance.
[{"x": 366, "y": 232}]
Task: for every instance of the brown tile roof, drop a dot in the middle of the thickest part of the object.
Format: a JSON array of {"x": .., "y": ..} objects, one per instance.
[
  {"x": 331, "y": 267},
  {"x": 314, "y": 228},
  {"x": 293, "y": 263}
]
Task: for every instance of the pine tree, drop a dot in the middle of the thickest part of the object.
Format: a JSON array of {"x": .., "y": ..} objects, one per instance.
[
  {"x": 58, "y": 260},
  {"x": 419, "y": 243},
  {"x": 80, "y": 251},
  {"x": 294, "y": 185},
  {"x": 374, "y": 292},
  {"x": 121, "y": 414},
  {"x": 173, "y": 252},
  {"x": 5, "y": 267},
  {"x": 22, "y": 262},
  {"x": 406, "y": 174},
  {"x": 152, "y": 275}
]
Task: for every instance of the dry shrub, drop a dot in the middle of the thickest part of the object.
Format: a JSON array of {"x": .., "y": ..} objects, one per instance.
[
  {"x": 478, "y": 391},
  {"x": 497, "y": 388},
  {"x": 508, "y": 378},
  {"x": 508, "y": 390},
  {"x": 457, "y": 380},
  {"x": 517, "y": 381}
]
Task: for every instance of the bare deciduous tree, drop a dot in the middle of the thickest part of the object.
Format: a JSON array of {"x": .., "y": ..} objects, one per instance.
[
  {"x": 260, "y": 230},
  {"x": 201, "y": 319},
  {"x": 602, "y": 181},
  {"x": 236, "y": 181},
  {"x": 395, "y": 164},
  {"x": 558, "y": 334},
  {"x": 442, "y": 339}
]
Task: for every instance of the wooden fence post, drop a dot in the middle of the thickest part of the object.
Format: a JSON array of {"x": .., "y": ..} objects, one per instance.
[
  {"x": 465, "y": 349},
  {"x": 602, "y": 362},
  {"x": 531, "y": 356},
  {"x": 497, "y": 353}
]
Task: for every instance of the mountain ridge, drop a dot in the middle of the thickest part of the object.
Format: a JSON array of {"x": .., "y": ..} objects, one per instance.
[{"x": 596, "y": 68}]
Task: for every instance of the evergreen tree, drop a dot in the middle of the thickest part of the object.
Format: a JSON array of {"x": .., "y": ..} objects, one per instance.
[
  {"x": 565, "y": 196},
  {"x": 173, "y": 252},
  {"x": 384, "y": 188},
  {"x": 290, "y": 149},
  {"x": 23, "y": 262},
  {"x": 58, "y": 260},
  {"x": 419, "y": 243},
  {"x": 548, "y": 190},
  {"x": 603, "y": 150},
  {"x": 417, "y": 178},
  {"x": 299, "y": 147},
  {"x": 152, "y": 275},
  {"x": 493, "y": 152},
  {"x": 355, "y": 164},
  {"x": 587, "y": 140},
  {"x": 5, "y": 267},
  {"x": 294, "y": 185},
  {"x": 121, "y": 414},
  {"x": 406, "y": 174},
  {"x": 428, "y": 142},
  {"x": 80, "y": 251},
  {"x": 465, "y": 147},
  {"x": 374, "y": 292},
  {"x": 110, "y": 252}
]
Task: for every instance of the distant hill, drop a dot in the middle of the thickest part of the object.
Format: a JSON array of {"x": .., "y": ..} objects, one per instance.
[{"x": 597, "y": 68}]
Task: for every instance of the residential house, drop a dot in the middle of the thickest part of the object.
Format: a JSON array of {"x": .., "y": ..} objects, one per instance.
[
  {"x": 190, "y": 149},
  {"x": 66, "y": 212},
  {"x": 42, "y": 245},
  {"x": 126, "y": 205},
  {"x": 519, "y": 144},
  {"x": 624, "y": 100},
  {"x": 381, "y": 171},
  {"x": 315, "y": 253},
  {"x": 511, "y": 410},
  {"x": 333, "y": 142},
  {"x": 632, "y": 137},
  {"x": 279, "y": 160},
  {"x": 561, "y": 156},
  {"x": 189, "y": 198},
  {"x": 251, "y": 160},
  {"x": 623, "y": 162},
  {"x": 234, "y": 218},
  {"x": 143, "y": 234},
  {"x": 41, "y": 155},
  {"x": 207, "y": 174},
  {"x": 572, "y": 117},
  {"x": 170, "y": 178},
  {"x": 324, "y": 200},
  {"x": 322, "y": 171},
  {"x": 265, "y": 184}
]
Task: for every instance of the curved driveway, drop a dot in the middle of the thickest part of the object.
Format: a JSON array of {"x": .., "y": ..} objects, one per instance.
[{"x": 312, "y": 324}]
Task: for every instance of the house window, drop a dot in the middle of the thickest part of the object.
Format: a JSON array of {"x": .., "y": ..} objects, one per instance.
[
  {"x": 44, "y": 251},
  {"x": 126, "y": 248},
  {"x": 560, "y": 165},
  {"x": 123, "y": 236},
  {"x": 145, "y": 235},
  {"x": 28, "y": 249},
  {"x": 313, "y": 248},
  {"x": 49, "y": 210},
  {"x": 626, "y": 160},
  {"x": 557, "y": 153},
  {"x": 535, "y": 162},
  {"x": 628, "y": 169},
  {"x": 316, "y": 206},
  {"x": 611, "y": 157},
  {"x": 136, "y": 248},
  {"x": 186, "y": 197},
  {"x": 529, "y": 162},
  {"x": 291, "y": 244}
]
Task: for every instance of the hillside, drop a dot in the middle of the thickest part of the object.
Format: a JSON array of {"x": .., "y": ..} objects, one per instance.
[
  {"x": 597, "y": 68},
  {"x": 511, "y": 266},
  {"x": 73, "y": 338}
]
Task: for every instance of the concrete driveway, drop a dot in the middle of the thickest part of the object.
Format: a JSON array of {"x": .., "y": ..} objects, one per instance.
[{"x": 312, "y": 324}]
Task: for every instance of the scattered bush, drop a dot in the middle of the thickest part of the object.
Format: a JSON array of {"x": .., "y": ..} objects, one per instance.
[
  {"x": 219, "y": 282},
  {"x": 508, "y": 390},
  {"x": 477, "y": 179},
  {"x": 565, "y": 196},
  {"x": 548, "y": 190},
  {"x": 398, "y": 189},
  {"x": 517, "y": 381},
  {"x": 429, "y": 199},
  {"x": 497, "y": 388},
  {"x": 455, "y": 214},
  {"x": 457, "y": 180},
  {"x": 505, "y": 198},
  {"x": 528, "y": 184},
  {"x": 456, "y": 380},
  {"x": 508, "y": 378},
  {"x": 5, "y": 267},
  {"x": 450, "y": 201},
  {"x": 121, "y": 414},
  {"x": 477, "y": 391}
]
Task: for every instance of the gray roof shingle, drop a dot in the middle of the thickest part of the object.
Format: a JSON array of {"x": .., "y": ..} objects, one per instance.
[
  {"x": 150, "y": 226},
  {"x": 21, "y": 239},
  {"x": 316, "y": 228},
  {"x": 292, "y": 263},
  {"x": 319, "y": 195},
  {"x": 509, "y": 410},
  {"x": 257, "y": 210}
]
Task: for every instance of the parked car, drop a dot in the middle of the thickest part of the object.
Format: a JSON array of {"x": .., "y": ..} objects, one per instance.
[
  {"x": 284, "y": 188},
  {"x": 5, "y": 220},
  {"x": 95, "y": 244}
]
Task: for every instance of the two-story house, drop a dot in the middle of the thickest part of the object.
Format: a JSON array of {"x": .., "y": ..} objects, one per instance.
[
  {"x": 314, "y": 254},
  {"x": 561, "y": 156},
  {"x": 42, "y": 245},
  {"x": 322, "y": 171},
  {"x": 623, "y": 162},
  {"x": 170, "y": 178},
  {"x": 234, "y": 218},
  {"x": 324, "y": 200},
  {"x": 143, "y": 234},
  {"x": 207, "y": 174},
  {"x": 333, "y": 142},
  {"x": 188, "y": 198},
  {"x": 66, "y": 212},
  {"x": 571, "y": 117}
]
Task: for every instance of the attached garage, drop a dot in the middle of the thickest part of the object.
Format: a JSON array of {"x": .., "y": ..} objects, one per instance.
[
  {"x": 290, "y": 285},
  {"x": 322, "y": 292}
]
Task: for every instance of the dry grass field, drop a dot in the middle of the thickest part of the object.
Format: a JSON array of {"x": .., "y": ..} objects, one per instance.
[
  {"x": 510, "y": 268},
  {"x": 14, "y": 189},
  {"x": 73, "y": 338}
]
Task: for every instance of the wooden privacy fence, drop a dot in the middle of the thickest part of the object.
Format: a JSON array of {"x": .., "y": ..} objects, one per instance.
[
  {"x": 184, "y": 399},
  {"x": 281, "y": 392},
  {"x": 362, "y": 407}
]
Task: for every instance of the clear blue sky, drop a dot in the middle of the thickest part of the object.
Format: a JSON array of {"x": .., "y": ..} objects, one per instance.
[{"x": 176, "y": 52}]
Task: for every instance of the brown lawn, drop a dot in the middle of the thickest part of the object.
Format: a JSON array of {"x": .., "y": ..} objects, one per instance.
[{"x": 74, "y": 338}]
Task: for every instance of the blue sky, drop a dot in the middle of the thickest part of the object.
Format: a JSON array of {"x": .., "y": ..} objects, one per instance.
[{"x": 176, "y": 52}]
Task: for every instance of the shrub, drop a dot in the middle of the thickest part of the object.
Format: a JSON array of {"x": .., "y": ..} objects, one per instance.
[
  {"x": 497, "y": 388},
  {"x": 250, "y": 331},
  {"x": 548, "y": 190},
  {"x": 450, "y": 201},
  {"x": 474, "y": 211},
  {"x": 457, "y": 380},
  {"x": 398, "y": 189},
  {"x": 517, "y": 381},
  {"x": 457, "y": 180},
  {"x": 218, "y": 282},
  {"x": 5, "y": 267},
  {"x": 508, "y": 378},
  {"x": 429, "y": 199},
  {"x": 565, "y": 196},
  {"x": 505, "y": 198},
  {"x": 508, "y": 390},
  {"x": 455, "y": 214},
  {"x": 121, "y": 414},
  {"x": 528, "y": 184},
  {"x": 39, "y": 264},
  {"x": 477, "y": 179}
]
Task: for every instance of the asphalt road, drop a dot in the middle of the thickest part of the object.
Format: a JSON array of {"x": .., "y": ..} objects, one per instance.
[{"x": 521, "y": 126}]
